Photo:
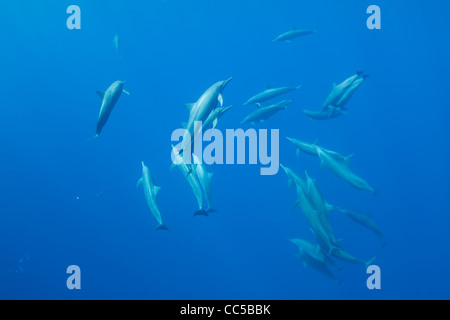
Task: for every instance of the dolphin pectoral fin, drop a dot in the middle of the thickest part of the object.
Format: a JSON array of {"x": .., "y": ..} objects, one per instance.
[
  {"x": 126, "y": 92},
  {"x": 215, "y": 122},
  {"x": 295, "y": 205},
  {"x": 139, "y": 183},
  {"x": 100, "y": 94},
  {"x": 189, "y": 106},
  {"x": 259, "y": 105},
  {"x": 220, "y": 99},
  {"x": 297, "y": 153},
  {"x": 161, "y": 227}
]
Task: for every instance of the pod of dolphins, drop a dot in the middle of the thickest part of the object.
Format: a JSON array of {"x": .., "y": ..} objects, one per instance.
[{"x": 209, "y": 109}]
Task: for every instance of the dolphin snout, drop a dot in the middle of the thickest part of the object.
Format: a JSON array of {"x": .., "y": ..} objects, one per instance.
[{"x": 225, "y": 82}]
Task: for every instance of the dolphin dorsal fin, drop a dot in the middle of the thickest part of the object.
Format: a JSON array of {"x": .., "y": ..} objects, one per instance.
[
  {"x": 156, "y": 189},
  {"x": 100, "y": 94},
  {"x": 348, "y": 160},
  {"x": 189, "y": 106}
]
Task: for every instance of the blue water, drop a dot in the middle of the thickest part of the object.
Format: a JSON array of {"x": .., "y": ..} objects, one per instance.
[{"x": 68, "y": 201}]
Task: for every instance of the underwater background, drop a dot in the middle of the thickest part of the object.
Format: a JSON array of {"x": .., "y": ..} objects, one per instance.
[{"x": 68, "y": 201}]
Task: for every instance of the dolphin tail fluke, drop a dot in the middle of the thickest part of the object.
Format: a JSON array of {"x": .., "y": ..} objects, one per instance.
[
  {"x": 383, "y": 243},
  {"x": 210, "y": 210},
  {"x": 161, "y": 227},
  {"x": 201, "y": 212},
  {"x": 368, "y": 263},
  {"x": 93, "y": 138}
]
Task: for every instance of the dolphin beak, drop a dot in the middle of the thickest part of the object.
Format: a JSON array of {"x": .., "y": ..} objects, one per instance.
[
  {"x": 224, "y": 83},
  {"x": 143, "y": 165}
]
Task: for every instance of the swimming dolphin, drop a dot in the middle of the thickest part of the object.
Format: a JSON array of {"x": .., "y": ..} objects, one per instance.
[
  {"x": 204, "y": 178},
  {"x": 291, "y": 34},
  {"x": 310, "y": 148},
  {"x": 345, "y": 256},
  {"x": 342, "y": 170},
  {"x": 338, "y": 90},
  {"x": 330, "y": 113},
  {"x": 116, "y": 45},
  {"x": 312, "y": 259},
  {"x": 200, "y": 110},
  {"x": 110, "y": 97},
  {"x": 349, "y": 92},
  {"x": 150, "y": 192},
  {"x": 312, "y": 215},
  {"x": 314, "y": 251},
  {"x": 263, "y": 113},
  {"x": 365, "y": 220},
  {"x": 214, "y": 117},
  {"x": 322, "y": 207},
  {"x": 270, "y": 94},
  {"x": 190, "y": 176}
]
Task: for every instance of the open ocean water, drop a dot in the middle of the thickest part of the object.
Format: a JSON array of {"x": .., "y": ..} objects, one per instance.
[{"x": 66, "y": 200}]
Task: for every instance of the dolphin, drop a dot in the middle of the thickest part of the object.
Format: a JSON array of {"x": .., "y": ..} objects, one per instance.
[
  {"x": 310, "y": 148},
  {"x": 190, "y": 176},
  {"x": 150, "y": 192},
  {"x": 110, "y": 97},
  {"x": 330, "y": 113},
  {"x": 342, "y": 170},
  {"x": 263, "y": 113},
  {"x": 214, "y": 117},
  {"x": 322, "y": 207},
  {"x": 349, "y": 91},
  {"x": 116, "y": 45},
  {"x": 200, "y": 110},
  {"x": 314, "y": 251},
  {"x": 270, "y": 94},
  {"x": 345, "y": 256},
  {"x": 291, "y": 34},
  {"x": 204, "y": 178},
  {"x": 365, "y": 220},
  {"x": 339, "y": 90},
  {"x": 312, "y": 215}
]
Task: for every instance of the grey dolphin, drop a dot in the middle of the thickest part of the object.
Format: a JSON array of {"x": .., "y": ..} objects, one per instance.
[
  {"x": 109, "y": 100},
  {"x": 345, "y": 256},
  {"x": 350, "y": 91},
  {"x": 330, "y": 113},
  {"x": 270, "y": 94},
  {"x": 342, "y": 170},
  {"x": 310, "y": 212},
  {"x": 338, "y": 90},
  {"x": 311, "y": 148},
  {"x": 365, "y": 220},
  {"x": 204, "y": 178},
  {"x": 314, "y": 251},
  {"x": 190, "y": 176},
  {"x": 202, "y": 108},
  {"x": 263, "y": 113},
  {"x": 214, "y": 117},
  {"x": 292, "y": 34},
  {"x": 322, "y": 207},
  {"x": 150, "y": 192}
]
